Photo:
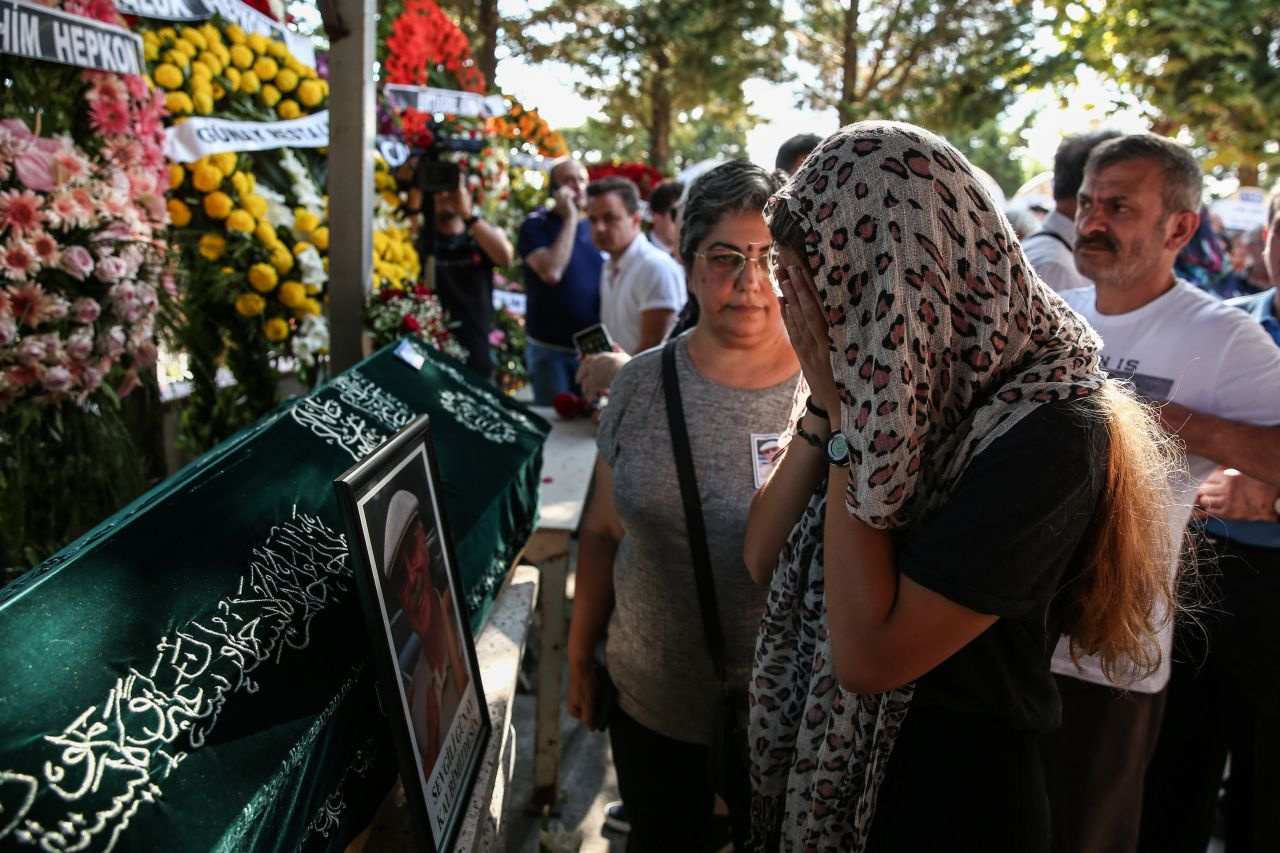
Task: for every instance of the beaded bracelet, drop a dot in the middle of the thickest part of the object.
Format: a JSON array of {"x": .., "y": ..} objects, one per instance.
[
  {"x": 815, "y": 409},
  {"x": 807, "y": 436}
]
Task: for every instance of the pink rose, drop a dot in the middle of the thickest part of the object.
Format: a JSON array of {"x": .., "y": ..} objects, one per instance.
[
  {"x": 30, "y": 350},
  {"x": 91, "y": 378},
  {"x": 85, "y": 310},
  {"x": 56, "y": 379},
  {"x": 77, "y": 261},
  {"x": 55, "y": 308},
  {"x": 109, "y": 269},
  {"x": 80, "y": 344},
  {"x": 112, "y": 342}
]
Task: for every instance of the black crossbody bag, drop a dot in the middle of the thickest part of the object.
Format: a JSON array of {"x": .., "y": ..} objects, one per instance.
[{"x": 727, "y": 765}]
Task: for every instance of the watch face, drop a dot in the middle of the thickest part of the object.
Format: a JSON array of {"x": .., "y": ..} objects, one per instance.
[{"x": 838, "y": 448}]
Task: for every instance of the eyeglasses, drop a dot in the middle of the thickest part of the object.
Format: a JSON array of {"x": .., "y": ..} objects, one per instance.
[{"x": 726, "y": 263}]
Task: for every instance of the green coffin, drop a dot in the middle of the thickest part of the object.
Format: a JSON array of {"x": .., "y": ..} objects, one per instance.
[{"x": 194, "y": 673}]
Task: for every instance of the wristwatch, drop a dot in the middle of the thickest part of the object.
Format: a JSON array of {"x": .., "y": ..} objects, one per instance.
[
  {"x": 837, "y": 448},
  {"x": 471, "y": 220}
]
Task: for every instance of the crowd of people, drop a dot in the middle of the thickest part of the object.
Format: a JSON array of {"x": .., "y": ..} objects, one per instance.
[{"x": 943, "y": 531}]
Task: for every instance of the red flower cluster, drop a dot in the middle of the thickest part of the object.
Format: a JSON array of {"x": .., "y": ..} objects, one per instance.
[
  {"x": 416, "y": 128},
  {"x": 643, "y": 175},
  {"x": 426, "y": 48}
]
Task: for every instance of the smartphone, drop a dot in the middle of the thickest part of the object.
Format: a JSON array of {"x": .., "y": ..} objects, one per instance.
[{"x": 593, "y": 339}]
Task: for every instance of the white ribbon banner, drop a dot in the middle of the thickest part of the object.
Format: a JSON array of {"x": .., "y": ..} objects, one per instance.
[
  {"x": 199, "y": 137},
  {"x": 38, "y": 32},
  {"x": 426, "y": 99},
  {"x": 252, "y": 21},
  {"x": 392, "y": 149},
  {"x": 166, "y": 10}
]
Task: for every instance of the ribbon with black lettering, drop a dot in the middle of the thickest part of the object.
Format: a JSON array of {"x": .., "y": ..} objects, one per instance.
[
  {"x": 426, "y": 99},
  {"x": 38, "y": 32},
  {"x": 166, "y": 10},
  {"x": 199, "y": 137}
]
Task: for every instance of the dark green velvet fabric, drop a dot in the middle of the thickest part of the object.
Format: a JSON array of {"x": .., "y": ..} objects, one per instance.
[{"x": 194, "y": 673}]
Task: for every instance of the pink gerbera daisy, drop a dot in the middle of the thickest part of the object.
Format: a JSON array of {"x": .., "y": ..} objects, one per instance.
[
  {"x": 20, "y": 211},
  {"x": 45, "y": 247},
  {"x": 64, "y": 211},
  {"x": 110, "y": 117},
  {"x": 104, "y": 86}
]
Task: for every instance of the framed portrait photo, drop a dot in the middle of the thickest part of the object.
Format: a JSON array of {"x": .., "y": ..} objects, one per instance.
[{"x": 412, "y": 598}]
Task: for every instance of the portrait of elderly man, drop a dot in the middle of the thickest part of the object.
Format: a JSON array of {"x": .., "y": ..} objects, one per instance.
[{"x": 432, "y": 666}]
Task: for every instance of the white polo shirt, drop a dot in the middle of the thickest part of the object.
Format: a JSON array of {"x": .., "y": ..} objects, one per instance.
[
  {"x": 644, "y": 278},
  {"x": 1050, "y": 253}
]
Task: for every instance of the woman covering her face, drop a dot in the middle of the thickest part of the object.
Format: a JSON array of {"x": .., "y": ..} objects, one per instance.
[
  {"x": 737, "y": 380},
  {"x": 963, "y": 486}
]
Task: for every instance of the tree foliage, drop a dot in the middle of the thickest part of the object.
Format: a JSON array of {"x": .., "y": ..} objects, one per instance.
[
  {"x": 948, "y": 65},
  {"x": 1209, "y": 66},
  {"x": 697, "y": 135},
  {"x": 649, "y": 62},
  {"x": 990, "y": 147}
]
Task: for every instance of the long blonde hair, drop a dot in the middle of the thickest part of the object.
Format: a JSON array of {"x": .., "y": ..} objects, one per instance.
[{"x": 1126, "y": 594}]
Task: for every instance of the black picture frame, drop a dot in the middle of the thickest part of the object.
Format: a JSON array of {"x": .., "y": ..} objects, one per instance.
[{"x": 440, "y": 727}]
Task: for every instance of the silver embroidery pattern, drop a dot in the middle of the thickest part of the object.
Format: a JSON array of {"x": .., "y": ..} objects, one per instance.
[
  {"x": 478, "y": 416},
  {"x": 345, "y": 430},
  {"x": 327, "y": 819},
  {"x": 488, "y": 395},
  {"x": 360, "y": 392},
  {"x": 118, "y": 753}
]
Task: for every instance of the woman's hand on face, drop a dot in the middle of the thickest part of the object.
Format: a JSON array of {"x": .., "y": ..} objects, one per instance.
[
  {"x": 582, "y": 693},
  {"x": 807, "y": 328}
]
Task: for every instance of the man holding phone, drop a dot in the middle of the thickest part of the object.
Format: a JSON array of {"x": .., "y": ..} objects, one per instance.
[{"x": 562, "y": 281}]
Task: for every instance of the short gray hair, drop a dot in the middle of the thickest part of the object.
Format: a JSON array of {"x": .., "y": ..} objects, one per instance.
[
  {"x": 730, "y": 188},
  {"x": 1183, "y": 177}
]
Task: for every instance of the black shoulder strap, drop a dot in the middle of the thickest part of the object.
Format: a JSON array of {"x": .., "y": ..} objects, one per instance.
[
  {"x": 1043, "y": 233},
  {"x": 693, "y": 511}
]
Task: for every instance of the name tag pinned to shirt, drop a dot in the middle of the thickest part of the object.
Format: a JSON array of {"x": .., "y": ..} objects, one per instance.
[{"x": 765, "y": 451}]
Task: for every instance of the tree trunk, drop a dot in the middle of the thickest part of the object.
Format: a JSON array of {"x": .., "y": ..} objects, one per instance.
[
  {"x": 486, "y": 54},
  {"x": 849, "y": 67},
  {"x": 660, "y": 111}
]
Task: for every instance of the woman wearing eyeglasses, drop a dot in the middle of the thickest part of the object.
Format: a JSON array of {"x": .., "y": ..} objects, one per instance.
[{"x": 737, "y": 379}]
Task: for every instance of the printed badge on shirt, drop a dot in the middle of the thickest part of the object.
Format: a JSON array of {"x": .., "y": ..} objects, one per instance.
[{"x": 764, "y": 455}]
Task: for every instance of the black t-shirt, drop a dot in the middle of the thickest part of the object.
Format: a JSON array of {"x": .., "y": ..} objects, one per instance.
[
  {"x": 464, "y": 283},
  {"x": 1005, "y": 543}
]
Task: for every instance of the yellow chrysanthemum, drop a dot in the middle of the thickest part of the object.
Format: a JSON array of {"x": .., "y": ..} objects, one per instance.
[
  {"x": 179, "y": 103},
  {"x": 241, "y": 220},
  {"x": 211, "y": 34},
  {"x": 281, "y": 259},
  {"x": 277, "y": 49},
  {"x": 232, "y": 76},
  {"x": 255, "y": 204},
  {"x": 150, "y": 37},
  {"x": 176, "y": 57},
  {"x": 266, "y": 68},
  {"x": 312, "y": 306},
  {"x": 177, "y": 175},
  {"x": 262, "y": 277},
  {"x": 218, "y": 92},
  {"x": 240, "y": 181},
  {"x": 168, "y": 76},
  {"x": 179, "y": 213},
  {"x": 225, "y": 161},
  {"x": 234, "y": 34},
  {"x": 241, "y": 56},
  {"x": 212, "y": 61},
  {"x": 151, "y": 52},
  {"x": 305, "y": 220},
  {"x": 250, "y": 305},
  {"x": 266, "y": 234},
  {"x": 167, "y": 33},
  {"x": 257, "y": 42},
  {"x": 249, "y": 83},
  {"x": 286, "y": 80},
  {"x": 292, "y": 294},
  {"x": 320, "y": 237},
  {"x": 212, "y": 246},
  {"x": 194, "y": 36},
  {"x": 217, "y": 205},
  {"x": 202, "y": 102},
  {"x": 200, "y": 71},
  {"x": 277, "y": 329},
  {"x": 313, "y": 289},
  {"x": 270, "y": 95},
  {"x": 183, "y": 46},
  {"x": 300, "y": 247},
  {"x": 207, "y": 178},
  {"x": 289, "y": 109}
]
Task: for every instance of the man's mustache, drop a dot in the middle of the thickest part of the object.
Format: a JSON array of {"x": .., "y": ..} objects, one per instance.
[{"x": 1100, "y": 241}]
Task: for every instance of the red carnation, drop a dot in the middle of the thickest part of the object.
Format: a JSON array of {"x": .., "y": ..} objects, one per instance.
[{"x": 410, "y": 323}]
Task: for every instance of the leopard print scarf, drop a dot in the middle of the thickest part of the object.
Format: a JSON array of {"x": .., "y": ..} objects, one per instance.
[{"x": 942, "y": 338}]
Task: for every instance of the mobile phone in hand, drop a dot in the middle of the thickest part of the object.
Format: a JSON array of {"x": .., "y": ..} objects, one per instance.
[{"x": 593, "y": 339}]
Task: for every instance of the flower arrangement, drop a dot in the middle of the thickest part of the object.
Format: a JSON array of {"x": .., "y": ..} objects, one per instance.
[
  {"x": 507, "y": 342},
  {"x": 251, "y": 228},
  {"x": 644, "y": 176},
  {"x": 426, "y": 48},
  {"x": 526, "y": 128},
  {"x": 82, "y": 261}
]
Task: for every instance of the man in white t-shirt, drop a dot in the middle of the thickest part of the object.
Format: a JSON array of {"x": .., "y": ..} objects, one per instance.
[
  {"x": 642, "y": 287},
  {"x": 1049, "y": 248},
  {"x": 1215, "y": 374}
]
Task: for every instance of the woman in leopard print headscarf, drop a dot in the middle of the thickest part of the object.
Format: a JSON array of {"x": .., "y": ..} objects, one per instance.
[{"x": 977, "y": 488}]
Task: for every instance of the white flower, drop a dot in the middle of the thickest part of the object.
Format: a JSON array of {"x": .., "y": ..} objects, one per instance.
[
  {"x": 311, "y": 266},
  {"x": 279, "y": 213},
  {"x": 312, "y": 337}
]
